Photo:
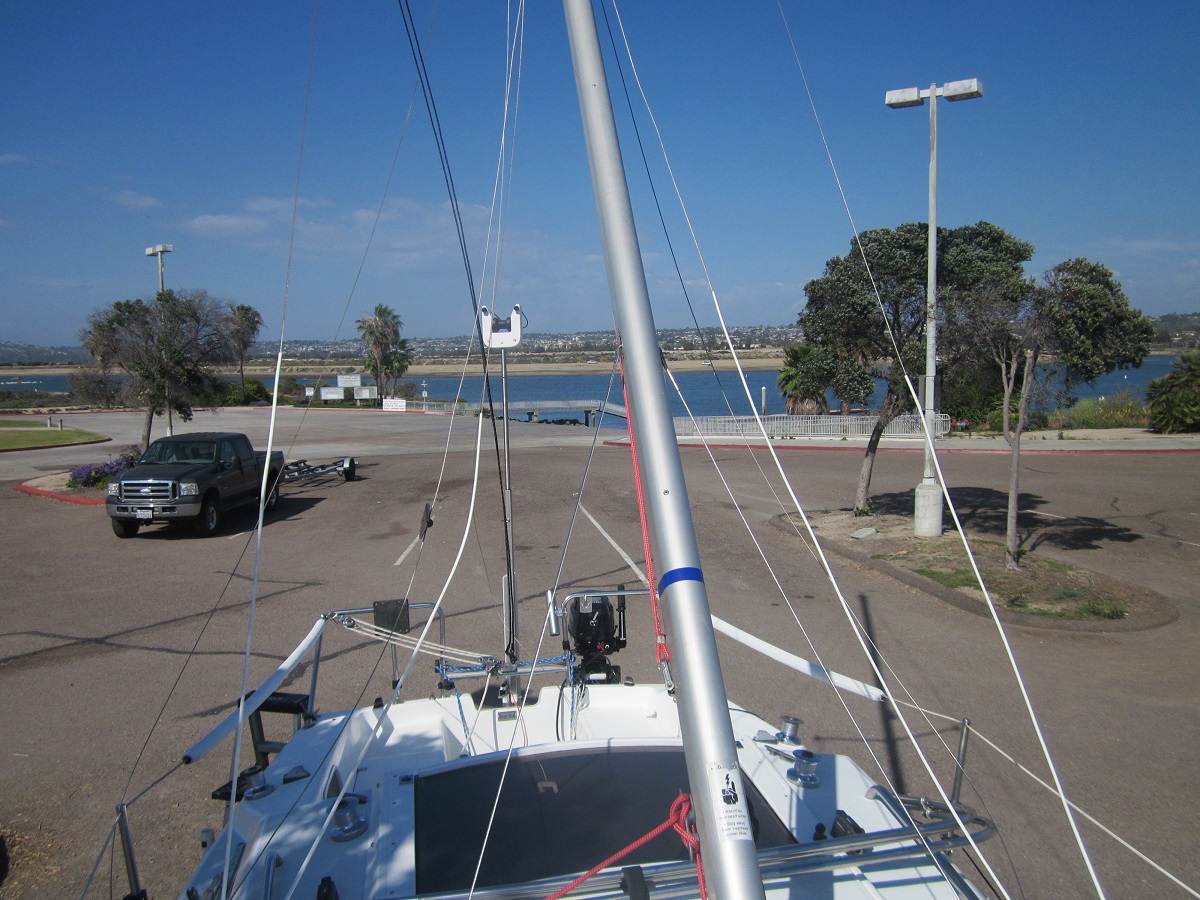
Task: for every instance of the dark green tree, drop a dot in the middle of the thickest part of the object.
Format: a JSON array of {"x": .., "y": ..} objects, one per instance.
[
  {"x": 803, "y": 380},
  {"x": 868, "y": 309},
  {"x": 809, "y": 372},
  {"x": 167, "y": 348},
  {"x": 1079, "y": 320},
  {"x": 1175, "y": 398}
]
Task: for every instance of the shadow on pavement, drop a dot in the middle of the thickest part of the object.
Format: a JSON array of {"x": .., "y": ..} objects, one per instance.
[{"x": 985, "y": 510}]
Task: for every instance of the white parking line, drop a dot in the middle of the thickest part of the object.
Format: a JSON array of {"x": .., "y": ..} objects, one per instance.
[
  {"x": 608, "y": 537},
  {"x": 414, "y": 543},
  {"x": 1046, "y": 514}
]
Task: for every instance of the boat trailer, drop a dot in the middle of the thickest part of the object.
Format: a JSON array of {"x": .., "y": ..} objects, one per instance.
[{"x": 301, "y": 469}]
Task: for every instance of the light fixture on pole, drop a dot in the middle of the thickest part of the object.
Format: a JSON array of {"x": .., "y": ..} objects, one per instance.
[
  {"x": 927, "y": 518},
  {"x": 158, "y": 250}
]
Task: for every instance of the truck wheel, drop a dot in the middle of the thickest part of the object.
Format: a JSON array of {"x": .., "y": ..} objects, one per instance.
[
  {"x": 349, "y": 467},
  {"x": 123, "y": 528},
  {"x": 209, "y": 519},
  {"x": 273, "y": 496}
]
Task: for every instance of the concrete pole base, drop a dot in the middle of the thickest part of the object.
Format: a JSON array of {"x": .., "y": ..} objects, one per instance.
[{"x": 927, "y": 516}]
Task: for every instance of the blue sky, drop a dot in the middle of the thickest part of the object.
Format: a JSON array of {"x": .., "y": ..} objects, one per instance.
[{"x": 128, "y": 124}]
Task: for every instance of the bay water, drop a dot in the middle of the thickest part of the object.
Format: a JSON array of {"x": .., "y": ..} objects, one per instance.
[{"x": 708, "y": 393}]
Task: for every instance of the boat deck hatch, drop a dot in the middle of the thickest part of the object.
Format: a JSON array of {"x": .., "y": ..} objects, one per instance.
[{"x": 558, "y": 814}]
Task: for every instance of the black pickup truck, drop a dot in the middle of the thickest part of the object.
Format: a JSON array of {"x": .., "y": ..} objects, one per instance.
[{"x": 193, "y": 479}]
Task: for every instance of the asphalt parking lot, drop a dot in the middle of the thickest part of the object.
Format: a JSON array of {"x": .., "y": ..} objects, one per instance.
[{"x": 105, "y": 642}]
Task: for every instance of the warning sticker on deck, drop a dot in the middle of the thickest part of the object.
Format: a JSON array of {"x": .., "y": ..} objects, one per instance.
[{"x": 729, "y": 801}]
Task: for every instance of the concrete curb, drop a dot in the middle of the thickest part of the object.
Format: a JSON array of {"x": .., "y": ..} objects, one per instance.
[
  {"x": 103, "y": 440},
  {"x": 26, "y": 488}
]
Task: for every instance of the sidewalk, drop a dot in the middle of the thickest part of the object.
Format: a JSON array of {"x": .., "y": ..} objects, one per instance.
[{"x": 1092, "y": 440}]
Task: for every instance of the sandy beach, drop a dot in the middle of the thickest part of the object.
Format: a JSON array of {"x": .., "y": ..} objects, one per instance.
[{"x": 759, "y": 362}]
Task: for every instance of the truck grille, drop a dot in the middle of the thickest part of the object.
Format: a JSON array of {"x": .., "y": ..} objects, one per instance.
[{"x": 147, "y": 490}]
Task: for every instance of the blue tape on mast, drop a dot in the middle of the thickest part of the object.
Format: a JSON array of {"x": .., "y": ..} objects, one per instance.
[{"x": 686, "y": 573}]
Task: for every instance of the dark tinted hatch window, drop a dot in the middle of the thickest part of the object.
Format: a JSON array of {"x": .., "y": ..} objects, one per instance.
[{"x": 558, "y": 814}]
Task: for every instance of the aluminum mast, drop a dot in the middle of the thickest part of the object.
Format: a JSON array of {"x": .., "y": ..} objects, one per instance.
[{"x": 718, "y": 796}]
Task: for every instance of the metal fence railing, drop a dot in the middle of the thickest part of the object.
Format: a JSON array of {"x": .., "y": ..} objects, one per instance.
[{"x": 785, "y": 427}]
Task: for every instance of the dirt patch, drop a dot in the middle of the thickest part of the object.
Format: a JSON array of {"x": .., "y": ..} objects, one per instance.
[
  {"x": 29, "y": 856},
  {"x": 56, "y": 486},
  {"x": 1044, "y": 592}
]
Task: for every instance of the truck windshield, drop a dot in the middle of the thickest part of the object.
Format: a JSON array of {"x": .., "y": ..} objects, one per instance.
[{"x": 180, "y": 452}]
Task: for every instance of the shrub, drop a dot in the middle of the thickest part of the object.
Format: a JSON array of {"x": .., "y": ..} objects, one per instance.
[
  {"x": 97, "y": 474},
  {"x": 995, "y": 419},
  {"x": 290, "y": 387},
  {"x": 1175, "y": 398},
  {"x": 230, "y": 394},
  {"x": 1121, "y": 410}
]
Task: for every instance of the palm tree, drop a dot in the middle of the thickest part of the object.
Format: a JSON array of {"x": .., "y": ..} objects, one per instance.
[
  {"x": 381, "y": 333},
  {"x": 803, "y": 380},
  {"x": 398, "y": 363},
  {"x": 244, "y": 323}
]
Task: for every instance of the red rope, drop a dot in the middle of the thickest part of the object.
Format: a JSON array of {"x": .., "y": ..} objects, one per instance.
[
  {"x": 677, "y": 820},
  {"x": 661, "y": 654}
]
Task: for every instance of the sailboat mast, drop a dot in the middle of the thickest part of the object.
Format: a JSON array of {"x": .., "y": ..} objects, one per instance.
[{"x": 718, "y": 796}]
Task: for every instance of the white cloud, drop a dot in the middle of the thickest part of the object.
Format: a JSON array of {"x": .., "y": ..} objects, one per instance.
[
  {"x": 133, "y": 200},
  {"x": 1153, "y": 247},
  {"x": 279, "y": 207},
  {"x": 226, "y": 226},
  {"x": 7, "y": 159}
]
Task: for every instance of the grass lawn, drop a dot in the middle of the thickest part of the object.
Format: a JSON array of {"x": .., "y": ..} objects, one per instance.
[
  {"x": 31, "y": 438},
  {"x": 1041, "y": 587}
]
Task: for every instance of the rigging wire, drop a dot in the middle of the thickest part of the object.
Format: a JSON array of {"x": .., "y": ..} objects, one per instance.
[
  {"x": 241, "y": 706},
  {"x": 460, "y": 229},
  {"x": 1028, "y": 701},
  {"x": 829, "y": 572},
  {"x": 418, "y": 57},
  {"x": 278, "y": 369}
]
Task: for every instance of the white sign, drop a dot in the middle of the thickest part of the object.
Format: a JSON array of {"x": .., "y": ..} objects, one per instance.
[
  {"x": 398, "y": 404},
  {"x": 729, "y": 799},
  {"x": 332, "y": 393},
  {"x": 309, "y": 391},
  {"x": 345, "y": 381},
  {"x": 366, "y": 393}
]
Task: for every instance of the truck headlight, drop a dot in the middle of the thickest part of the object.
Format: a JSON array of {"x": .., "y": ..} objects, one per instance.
[
  {"x": 188, "y": 489},
  {"x": 114, "y": 489}
]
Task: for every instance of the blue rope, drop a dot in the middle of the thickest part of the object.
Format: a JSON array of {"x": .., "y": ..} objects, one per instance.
[{"x": 462, "y": 716}]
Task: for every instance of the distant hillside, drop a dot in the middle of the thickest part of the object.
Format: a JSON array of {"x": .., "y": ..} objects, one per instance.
[
  {"x": 27, "y": 354},
  {"x": 1181, "y": 330},
  {"x": 1176, "y": 331}
]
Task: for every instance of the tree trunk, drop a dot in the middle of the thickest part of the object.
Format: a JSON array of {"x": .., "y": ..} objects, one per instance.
[
  {"x": 1012, "y": 553},
  {"x": 861, "y": 501},
  {"x": 1011, "y": 556},
  {"x": 888, "y": 410},
  {"x": 146, "y": 425}
]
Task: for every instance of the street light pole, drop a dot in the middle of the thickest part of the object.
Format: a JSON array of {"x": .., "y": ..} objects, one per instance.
[
  {"x": 158, "y": 250},
  {"x": 927, "y": 512}
]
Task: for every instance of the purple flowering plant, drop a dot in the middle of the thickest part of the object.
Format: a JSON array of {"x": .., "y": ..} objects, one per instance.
[{"x": 97, "y": 474}]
